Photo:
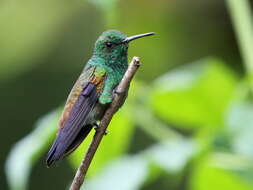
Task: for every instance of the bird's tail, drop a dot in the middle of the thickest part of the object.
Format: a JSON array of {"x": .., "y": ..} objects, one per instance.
[{"x": 56, "y": 152}]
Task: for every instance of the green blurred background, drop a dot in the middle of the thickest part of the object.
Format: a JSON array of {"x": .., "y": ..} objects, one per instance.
[{"x": 188, "y": 121}]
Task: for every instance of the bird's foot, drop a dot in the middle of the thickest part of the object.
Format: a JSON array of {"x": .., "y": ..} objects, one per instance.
[{"x": 97, "y": 127}]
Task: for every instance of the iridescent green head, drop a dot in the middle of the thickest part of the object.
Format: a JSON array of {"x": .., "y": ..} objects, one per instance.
[{"x": 112, "y": 46}]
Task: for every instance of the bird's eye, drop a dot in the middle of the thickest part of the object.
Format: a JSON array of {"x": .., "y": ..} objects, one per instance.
[{"x": 108, "y": 44}]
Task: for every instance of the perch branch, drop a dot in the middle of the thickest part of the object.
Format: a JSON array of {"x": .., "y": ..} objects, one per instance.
[{"x": 118, "y": 100}]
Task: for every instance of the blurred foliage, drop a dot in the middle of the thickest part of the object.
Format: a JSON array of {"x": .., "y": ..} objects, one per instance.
[
  {"x": 29, "y": 150},
  {"x": 183, "y": 127},
  {"x": 195, "y": 85},
  {"x": 193, "y": 89}
]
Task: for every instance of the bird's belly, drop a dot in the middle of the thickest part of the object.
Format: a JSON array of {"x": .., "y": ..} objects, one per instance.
[{"x": 96, "y": 114}]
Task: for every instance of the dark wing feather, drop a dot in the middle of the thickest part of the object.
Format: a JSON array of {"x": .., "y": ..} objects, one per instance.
[{"x": 73, "y": 126}]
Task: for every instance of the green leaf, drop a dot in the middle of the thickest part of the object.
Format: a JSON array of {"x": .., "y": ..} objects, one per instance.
[
  {"x": 172, "y": 155},
  {"x": 126, "y": 173},
  {"x": 169, "y": 158},
  {"x": 194, "y": 95},
  {"x": 240, "y": 128},
  {"x": 152, "y": 125},
  {"x": 27, "y": 151},
  {"x": 113, "y": 145},
  {"x": 218, "y": 171},
  {"x": 131, "y": 172}
]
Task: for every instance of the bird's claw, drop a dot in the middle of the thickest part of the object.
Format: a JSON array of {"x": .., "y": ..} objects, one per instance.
[{"x": 97, "y": 127}]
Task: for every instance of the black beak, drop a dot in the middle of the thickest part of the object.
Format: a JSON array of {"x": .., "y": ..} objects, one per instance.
[{"x": 129, "y": 39}]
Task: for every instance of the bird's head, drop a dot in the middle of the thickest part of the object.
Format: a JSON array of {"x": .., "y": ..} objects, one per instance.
[{"x": 112, "y": 45}]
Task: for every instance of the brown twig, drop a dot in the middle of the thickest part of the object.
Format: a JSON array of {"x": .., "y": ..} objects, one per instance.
[{"x": 114, "y": 106}]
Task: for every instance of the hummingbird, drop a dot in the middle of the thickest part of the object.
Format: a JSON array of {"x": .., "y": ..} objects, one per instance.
[{"x": 92, "y": 92}]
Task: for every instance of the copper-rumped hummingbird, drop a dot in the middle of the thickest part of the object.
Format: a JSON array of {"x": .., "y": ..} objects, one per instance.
[{"x": 92, "y": 92}]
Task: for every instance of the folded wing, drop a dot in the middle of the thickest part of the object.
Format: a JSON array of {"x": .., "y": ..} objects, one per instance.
[{"x": 73, "y": 128}]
